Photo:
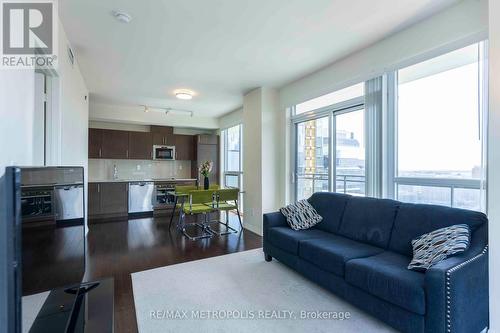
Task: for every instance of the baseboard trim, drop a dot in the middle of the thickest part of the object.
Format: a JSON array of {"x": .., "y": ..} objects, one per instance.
[{"x": 252, "y": 228}]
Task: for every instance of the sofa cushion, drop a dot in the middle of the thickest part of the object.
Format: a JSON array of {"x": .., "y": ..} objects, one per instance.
[
  {"x": 431, "y": 248},
  {"x": 331, "y": 253},
  {"x": 301, "y": 215},
  {"x": 369, "y": 220},
  {"x": 385, "y": 275},
  {"x": 331, "y": 207},
  {"x": 288, "y": 239},
  {"x": 414, "y": 220}
]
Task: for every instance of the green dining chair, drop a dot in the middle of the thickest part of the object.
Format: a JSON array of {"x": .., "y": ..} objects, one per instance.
[
  {"x": 227, "y": 200},
  {"x": 196, "y": 205},
  {"x": 181, "y": 192}
]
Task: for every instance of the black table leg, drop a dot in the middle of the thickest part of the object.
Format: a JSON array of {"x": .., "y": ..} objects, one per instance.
[{"x": 173, "y": 213}]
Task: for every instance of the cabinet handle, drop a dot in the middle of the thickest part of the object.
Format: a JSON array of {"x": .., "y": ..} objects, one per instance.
[
  {"x": 100, "y": 152},
  {"x": 98, "y": 188},
  {"x": 127, "y": 153}
]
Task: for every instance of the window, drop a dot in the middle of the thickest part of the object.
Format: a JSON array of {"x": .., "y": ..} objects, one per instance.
[
  {"x": 438, "y": 133},
  {"x": 350, "y": 152},
  {"x": 330, "y": 144},
  {"x": 335, "y": 97},
  {"x": 313, "y": 140},
  {"x": 232, "y": 154}
]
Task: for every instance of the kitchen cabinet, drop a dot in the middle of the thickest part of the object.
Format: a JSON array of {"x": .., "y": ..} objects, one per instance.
[
  {"x": 108, "y": 200},
  {"x": 184, "y": 147},
  {"x": 163, "y": 135},
  {"x": 207, "y": 139},
  {"x": 115, "y": 144},
  {"x": 94, "y": 199},
  {"x": 95, "y": 143},
  {"x": 114, "y": 198},
  {"x": 206, "y": 149},
  {"x": 140, "y": 145}
]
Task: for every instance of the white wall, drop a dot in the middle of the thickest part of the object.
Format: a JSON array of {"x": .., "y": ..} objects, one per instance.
[
  {"x": 74, "y": 111},
  {"x": 463, "y": 23},
  {"x": 272, "y": 152},
  {"x": 231, "y": 119},
  {"x": 136, "y": 115},
  {"x": 252, "y": 159},
  {"x": 17, "y": 114},
  {"x": 494, "y": 164},
  {"x": 262, "y": 144}
]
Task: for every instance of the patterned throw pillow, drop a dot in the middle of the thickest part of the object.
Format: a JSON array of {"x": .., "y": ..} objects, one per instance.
[
  {"x": 438, "y": 245},
  {"x": 301, "y": 215}
]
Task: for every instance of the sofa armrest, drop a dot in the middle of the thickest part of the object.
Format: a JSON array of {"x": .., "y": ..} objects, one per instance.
[
  {"x": 457, "y": 290},
  {"x": 272, "y": 220}
]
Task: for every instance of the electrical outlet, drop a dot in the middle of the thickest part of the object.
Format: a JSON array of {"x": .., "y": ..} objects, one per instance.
[
  {"x": 138, "y": 167},
  {"x": 180, "y": 167}
]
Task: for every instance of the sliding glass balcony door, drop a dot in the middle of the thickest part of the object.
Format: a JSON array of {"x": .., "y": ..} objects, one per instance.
[
  {"x": 350, "y": 152},
  {"x": 322, "y": 156}
]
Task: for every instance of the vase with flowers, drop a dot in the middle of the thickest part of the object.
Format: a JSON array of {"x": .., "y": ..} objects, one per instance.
[{"x": 205, "y": 170}]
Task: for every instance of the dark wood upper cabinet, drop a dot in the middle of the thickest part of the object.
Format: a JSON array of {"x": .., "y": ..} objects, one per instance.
[
  {"x": 115, "y": 144},
  {"x": 158, "y": 139},
  {"x": 140, "y": 145},
  {"x": 207, "y": 139},
  {"x": 163, "y": 135},
  {"x": 184, "y": 147},
  {"x": 95, "y": 143},
  {"x": 114, "y": 198}
]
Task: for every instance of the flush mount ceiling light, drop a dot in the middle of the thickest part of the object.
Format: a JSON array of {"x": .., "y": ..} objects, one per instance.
[
  {"x": 184, "y": 94},
  {"x": 122, "y": 16}
]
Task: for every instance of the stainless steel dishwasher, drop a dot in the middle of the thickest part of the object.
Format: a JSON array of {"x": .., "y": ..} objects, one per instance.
[
  {"x": 140, "y": 197},
  {"x": 69, "y": 202}
]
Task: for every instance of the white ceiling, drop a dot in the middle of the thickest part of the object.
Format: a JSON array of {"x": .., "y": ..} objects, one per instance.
[{"x": 221, "y": 49}]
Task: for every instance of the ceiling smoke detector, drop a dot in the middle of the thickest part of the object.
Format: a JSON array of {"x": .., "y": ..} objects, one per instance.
[{"x": 122, "y": 16}]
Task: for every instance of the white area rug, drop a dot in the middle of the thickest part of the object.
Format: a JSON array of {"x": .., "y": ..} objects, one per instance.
[
  {"x": 31, "y": 305},
  {"x": 240, "y": 292}
]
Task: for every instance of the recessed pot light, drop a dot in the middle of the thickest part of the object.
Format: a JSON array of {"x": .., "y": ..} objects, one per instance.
[
  {"x": 122, "y": 16},
  {"x": 184, "y": 94}
]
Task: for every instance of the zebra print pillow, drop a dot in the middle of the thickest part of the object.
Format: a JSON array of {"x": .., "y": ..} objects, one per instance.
[
  {"x": 301, "y": 215},
  {"x": 438, "y": 245}
]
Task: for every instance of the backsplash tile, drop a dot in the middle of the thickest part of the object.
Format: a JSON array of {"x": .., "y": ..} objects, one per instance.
[{"x": 102, "y": 169}]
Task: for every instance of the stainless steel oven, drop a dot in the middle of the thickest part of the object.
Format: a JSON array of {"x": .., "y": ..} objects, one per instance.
[
  {"x": 37, "y": 206},
  {"x": 163, "y": 152},
  {"x": 163, "y": 198}
]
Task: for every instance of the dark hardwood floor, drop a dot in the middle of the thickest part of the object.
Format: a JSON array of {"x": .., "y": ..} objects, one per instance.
[{"x": 117, "y": 249}]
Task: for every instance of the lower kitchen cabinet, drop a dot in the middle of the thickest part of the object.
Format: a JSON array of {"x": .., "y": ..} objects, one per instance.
[
  {"x": 94, "y": 199},
  {"x": 108, "y": 200}
]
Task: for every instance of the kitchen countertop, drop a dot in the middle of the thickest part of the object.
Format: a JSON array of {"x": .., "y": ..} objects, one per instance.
[{"x": 142, "y": 180}]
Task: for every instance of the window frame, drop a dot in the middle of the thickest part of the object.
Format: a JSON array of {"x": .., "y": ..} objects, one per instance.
[
  {"x": 391, "y": 178},
  {"x": 387, "y": 179},
  {"x": 225, "y": 172},
  {"x": 330, "y": 111}
]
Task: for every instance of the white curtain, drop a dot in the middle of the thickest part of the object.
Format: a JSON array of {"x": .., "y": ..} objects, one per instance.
[{"x": 374, "y": 101}]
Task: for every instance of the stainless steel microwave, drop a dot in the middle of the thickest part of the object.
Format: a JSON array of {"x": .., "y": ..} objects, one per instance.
[{"x": 166, "y": 153}]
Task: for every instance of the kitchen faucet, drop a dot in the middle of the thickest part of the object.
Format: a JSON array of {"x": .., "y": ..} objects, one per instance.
[{"x": 115, "y": 172}]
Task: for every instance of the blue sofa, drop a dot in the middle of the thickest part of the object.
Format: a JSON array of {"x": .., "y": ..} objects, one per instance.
[{"x": 361, "y": 250}]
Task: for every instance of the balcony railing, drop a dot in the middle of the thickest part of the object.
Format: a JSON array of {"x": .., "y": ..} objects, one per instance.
[
  {"x": 309, "y": 183},
  {"x": 350, "y": 184}
]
